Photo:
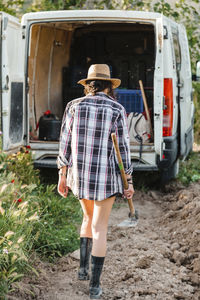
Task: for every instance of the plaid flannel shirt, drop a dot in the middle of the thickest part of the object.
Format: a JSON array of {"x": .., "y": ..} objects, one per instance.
[{"x": 86, "y": 146}]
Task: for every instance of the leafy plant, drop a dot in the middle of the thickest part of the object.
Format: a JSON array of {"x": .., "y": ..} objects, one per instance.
[
  {"x": 189, "y": 169},
  {"x": 56, "y": 232},
  {"x": 196, "y": 86},
  {"x": 33, "y": 217},
  {"x": 21, "y": 165},
  {"x": 11, "y": 6}
]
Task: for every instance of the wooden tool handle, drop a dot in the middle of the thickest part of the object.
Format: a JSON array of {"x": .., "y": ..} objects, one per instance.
[
  {"x": 120, "y": 162},
  {"x": 145, "y": 105},
  {"x": 131, "y": 207},
  {"x": 123, "y": 175}
]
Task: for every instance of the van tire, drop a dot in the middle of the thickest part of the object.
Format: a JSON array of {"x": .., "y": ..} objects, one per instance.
[{"x": 171, "y": 173}]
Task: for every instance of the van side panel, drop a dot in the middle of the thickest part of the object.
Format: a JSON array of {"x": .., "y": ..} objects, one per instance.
[{"x": 185, "y": 100}]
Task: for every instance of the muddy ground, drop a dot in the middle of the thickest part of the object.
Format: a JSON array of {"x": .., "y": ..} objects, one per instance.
[{"x": 158, "y": 259}]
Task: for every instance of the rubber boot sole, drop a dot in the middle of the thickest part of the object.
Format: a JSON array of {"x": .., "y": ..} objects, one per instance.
[
  {"x": 96, "y": 296},
  {"x": 83, "y": 277}
]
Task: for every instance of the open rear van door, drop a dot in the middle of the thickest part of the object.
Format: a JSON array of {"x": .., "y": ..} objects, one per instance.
[
  {"x": 158, "y": 90},
  {"x": 12, "y": 82},
  {"x": 186, "y": 106}
]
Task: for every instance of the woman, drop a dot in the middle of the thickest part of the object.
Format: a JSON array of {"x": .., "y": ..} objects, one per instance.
[{"x": 88, "y": 164}]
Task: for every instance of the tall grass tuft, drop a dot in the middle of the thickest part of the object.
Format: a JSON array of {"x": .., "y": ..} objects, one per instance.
[{"x": 33, "y": 218}]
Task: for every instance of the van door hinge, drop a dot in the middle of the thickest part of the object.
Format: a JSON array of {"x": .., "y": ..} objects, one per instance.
[
  {"x": 27, "y": 88},
  {"x": 23, "y": 32},
  {"x": 4, "y": 113},
  {"x": 180, "y": 84},
  {"x": 3, "y": 36},
  {"x": 165, "y": 32}
]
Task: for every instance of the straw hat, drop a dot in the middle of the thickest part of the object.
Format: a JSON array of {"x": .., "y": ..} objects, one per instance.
[{"x": 100, "y": 72}]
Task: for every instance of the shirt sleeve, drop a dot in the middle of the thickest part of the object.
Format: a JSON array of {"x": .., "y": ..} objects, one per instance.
[
  {"x": 122, "y": 134},
  {"x": 64, "y": 157}
]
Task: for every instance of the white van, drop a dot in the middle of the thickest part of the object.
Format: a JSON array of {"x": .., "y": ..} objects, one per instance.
[{"x": 43, "y": 58}]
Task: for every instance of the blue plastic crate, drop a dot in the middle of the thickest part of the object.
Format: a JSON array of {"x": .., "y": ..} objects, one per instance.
[{"x": 131, "y": 100}]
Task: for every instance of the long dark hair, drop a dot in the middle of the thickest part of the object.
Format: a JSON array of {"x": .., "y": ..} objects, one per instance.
[{"x": 95, "y": 86}]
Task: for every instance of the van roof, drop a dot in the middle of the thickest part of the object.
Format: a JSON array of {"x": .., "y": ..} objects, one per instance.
[{"x": 81, "y": 15}]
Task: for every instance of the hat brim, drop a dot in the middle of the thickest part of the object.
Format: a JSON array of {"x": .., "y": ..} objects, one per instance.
[{"x": 115, "y": 82}]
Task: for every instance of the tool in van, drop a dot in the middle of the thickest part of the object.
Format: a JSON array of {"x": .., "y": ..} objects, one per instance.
[
  {"x": 146, "y": 107},
  {"x": 133, "y": 214}
]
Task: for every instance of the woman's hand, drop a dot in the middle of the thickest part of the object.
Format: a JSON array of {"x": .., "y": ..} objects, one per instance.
[
  {"x": 62, "y": 188},
  {"x": 128, "y": 194}
]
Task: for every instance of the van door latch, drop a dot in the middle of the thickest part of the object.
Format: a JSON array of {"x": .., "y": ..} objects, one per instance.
[
  {"x": 6, "y": 86},
  {"x": 165, "y": 32}
]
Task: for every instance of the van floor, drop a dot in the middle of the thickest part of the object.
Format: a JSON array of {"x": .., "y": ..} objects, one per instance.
[{"x": 158, "y": 259}]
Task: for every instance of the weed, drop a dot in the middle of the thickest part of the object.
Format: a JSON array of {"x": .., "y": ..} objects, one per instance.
[
  {"x": 190, "y": 169},
  {"x": 33, "y": 217},
  {"x": 196, "y": 86}
]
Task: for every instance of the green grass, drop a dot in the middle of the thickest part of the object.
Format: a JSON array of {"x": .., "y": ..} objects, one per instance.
[
  {"x": 33, "y": 219},
  {"x": 190, "y": 169},
  {"x": 196, "y": 86}
]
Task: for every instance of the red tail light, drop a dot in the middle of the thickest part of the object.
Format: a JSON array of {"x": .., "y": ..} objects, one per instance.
[{"x": 168, "y": 108}]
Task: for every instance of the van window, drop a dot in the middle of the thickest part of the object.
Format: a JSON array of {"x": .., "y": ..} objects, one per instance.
[
  {"x": 16, "y": 114},
  {"x": 177, "y": 51}
]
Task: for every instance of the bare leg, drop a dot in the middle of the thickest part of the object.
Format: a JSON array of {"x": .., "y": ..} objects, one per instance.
[
  {"x": 86, "y": 227},
  {"x": 100, "y": 219}
]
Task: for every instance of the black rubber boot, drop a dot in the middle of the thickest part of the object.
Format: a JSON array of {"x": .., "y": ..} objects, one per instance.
[
  {"x": 85, "y": 251},
  {"x": 97, "y": 266}
]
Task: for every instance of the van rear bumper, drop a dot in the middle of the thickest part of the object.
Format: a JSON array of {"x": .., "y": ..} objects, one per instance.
[
  {"x": 144, "y": 167},
  {"x": 45, "y": 163},
  {"x": 51, "y": 163},
  {"x": 170, "y": 152},
  {"x": 170, "y": 156}
]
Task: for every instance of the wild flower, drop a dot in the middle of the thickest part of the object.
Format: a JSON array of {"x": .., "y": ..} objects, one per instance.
[
  {"x": 8, "y": 234},
  {"x": 5, "y": 250},
  {"x": 3, "y": 188},
  {"x": 2, "y": 211},
  {"x": 20, "y": 240},
  {"x": 16, "y": 213},
  {"x": 13, "y": 259},
  {"x": 33, "y": 217},
  {"x": 24, "y": 186},
  {"x": 23, "y": 204}
]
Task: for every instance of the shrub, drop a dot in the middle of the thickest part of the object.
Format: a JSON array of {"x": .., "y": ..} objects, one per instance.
[
  {"x": 33, "y": 217},
  {"x": 189, "y": 169},
  {"x": 196, "y": 86}
]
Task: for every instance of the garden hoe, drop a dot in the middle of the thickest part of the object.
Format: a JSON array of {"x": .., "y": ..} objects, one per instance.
[{"x": 133, "y": 214}]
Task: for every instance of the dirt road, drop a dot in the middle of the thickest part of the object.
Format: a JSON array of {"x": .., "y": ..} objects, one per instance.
[{"x": 158, "y": 259}]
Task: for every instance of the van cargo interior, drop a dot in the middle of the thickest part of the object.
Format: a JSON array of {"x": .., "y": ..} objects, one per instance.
[{"x": 60, "y": 54}]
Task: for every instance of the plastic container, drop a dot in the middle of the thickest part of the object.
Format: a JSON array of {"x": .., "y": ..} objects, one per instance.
[
  {"x": 49, "y": 128},
  {"x": 131, "y": 100}
]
